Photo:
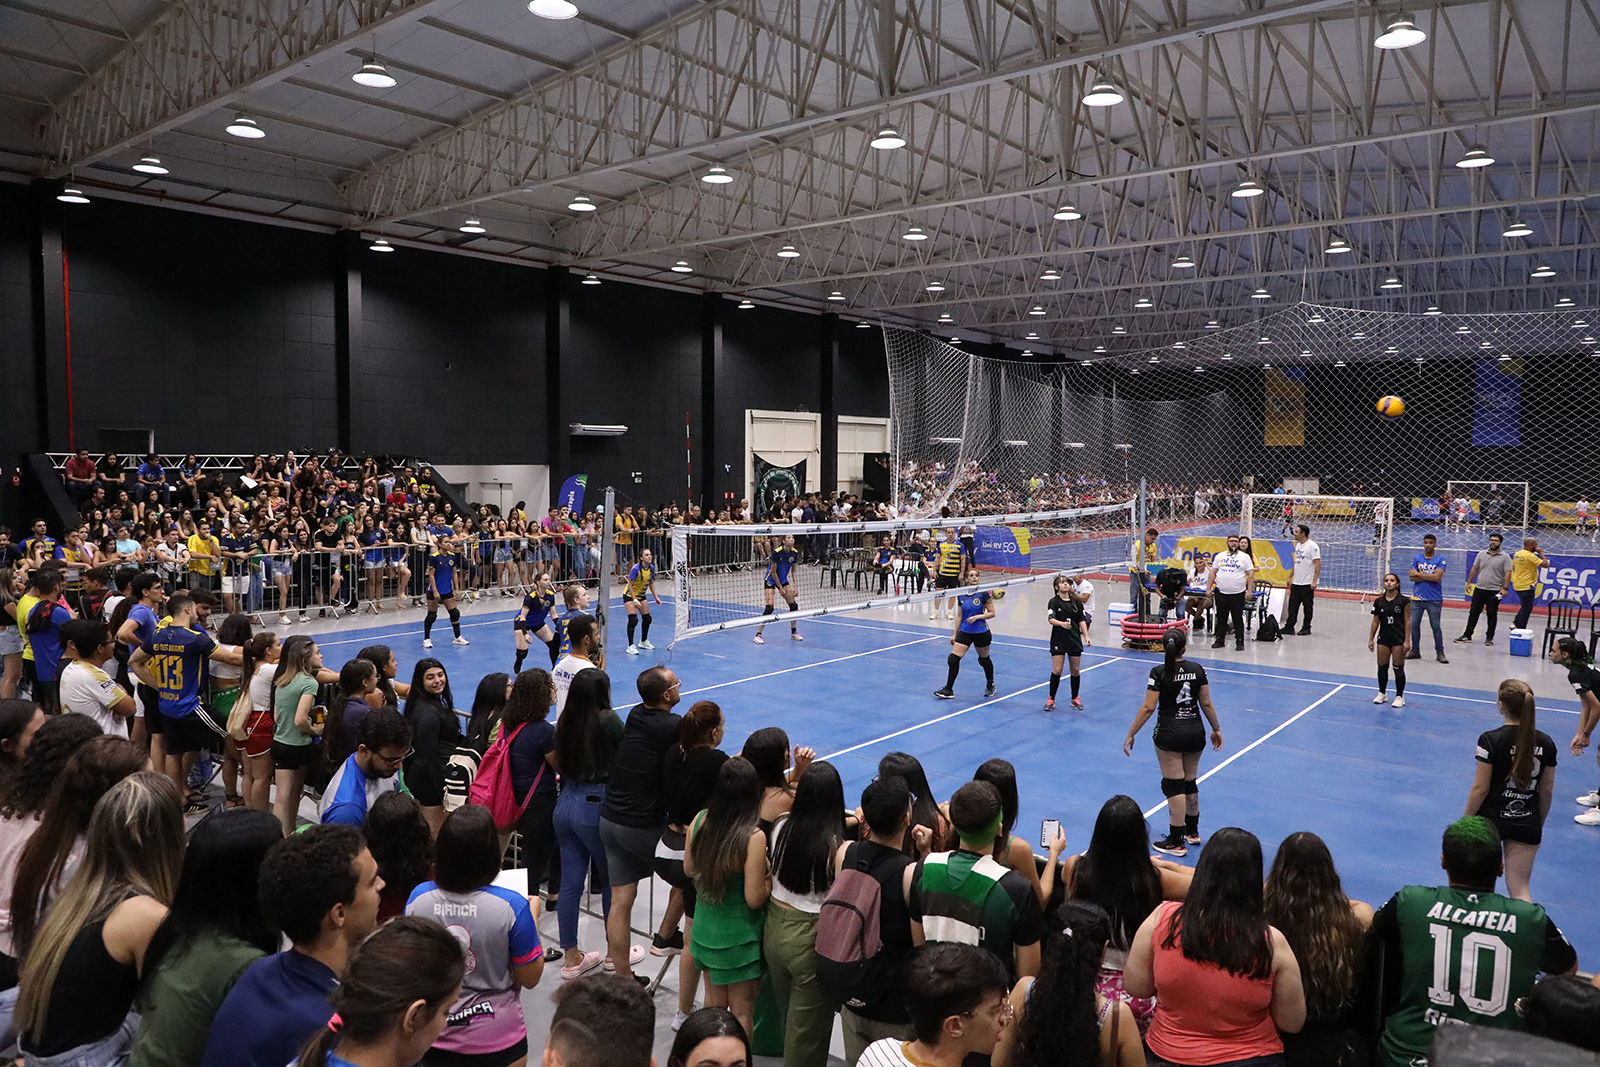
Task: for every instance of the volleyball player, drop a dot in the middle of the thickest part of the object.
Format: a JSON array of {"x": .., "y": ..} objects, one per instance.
[
  {"x": 576, "y": 598},
  {"x": 442, "y": 588},
  {"x": 1581, "y": 508},
  {"x": 1380, "y": 515},
  {"x": 949, "y": 563},
  {"x": 976, "y": 609},
  {"x": 641, "y": 583},
  {"x": 780, "y": 578},
  {"x": 883, "y": 563},
  {"x": 1083, "y": 589},
  {"x": 534, "y": 618},
  {"x": 1514, "y": 782},
  {"x": 1179, "y": 690},
  {"x": 1391, "y": 625},
  {"x": 1069, "y": 633},
  {"x": 1571, "y": 653}
]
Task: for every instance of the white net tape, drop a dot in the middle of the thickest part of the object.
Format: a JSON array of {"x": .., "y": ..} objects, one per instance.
[{"x": 724, "y": 576}]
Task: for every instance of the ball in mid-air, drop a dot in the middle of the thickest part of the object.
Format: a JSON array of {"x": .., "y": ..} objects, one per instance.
[
  {"x": 1391, "y": 407},
  {"x": 998, "y": 594}
]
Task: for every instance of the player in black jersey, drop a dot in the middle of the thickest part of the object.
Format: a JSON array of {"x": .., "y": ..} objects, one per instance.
[
  {"x": 1514, "y": 783},
  {"x": 1069, "y": 633},
  {"x": 1180, "y": 690},
  {"x": 1573, "y": 654},
  {"x": 1391, "y": 622}
]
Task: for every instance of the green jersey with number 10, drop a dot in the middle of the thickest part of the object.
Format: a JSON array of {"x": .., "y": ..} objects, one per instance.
[{"x": 1467, "y": 956}]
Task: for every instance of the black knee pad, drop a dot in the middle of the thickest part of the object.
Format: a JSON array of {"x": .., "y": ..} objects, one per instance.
[
  {"x": 431, "y": 617},
  {"x": 455, "y": 614},
  {"x": 1191, "y": 788},
  {"x": 954, "y": 660},
  {"x": 768, "y": 611},
  {"x": 794, "y": 605},
  {"x": 1174, "y": 787}
]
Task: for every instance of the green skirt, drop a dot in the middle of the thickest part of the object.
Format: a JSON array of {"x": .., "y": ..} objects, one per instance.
[{"x": 726, "y": 942}]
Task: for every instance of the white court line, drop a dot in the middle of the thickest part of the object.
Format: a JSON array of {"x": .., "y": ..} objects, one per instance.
[
  {"x": 1276, "y": 729},
  {"x": 963, "y": 711},
  {"x": 819, "y": 663}
]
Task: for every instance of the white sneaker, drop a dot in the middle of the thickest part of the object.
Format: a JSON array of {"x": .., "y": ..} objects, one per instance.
[
  {"x": 304, "y": 617},
  {"x": 760, "y": 640},
  {"x": 646, "y": 644},
  {"x": 461, "y": 641},
  {"x": 1588, "y": 818},
  {"x": 1381, "y": 698},
  {"x": 633, "y": 650},
  {"x": 1399, "y": 702},
  {"x": 931, "y": 615},
  {"x": 950, "y": 615},
  {"x": 283, "y": 618},
  {"x": 1590, "y": 800},
  {"x": 427, "y": 642},
  {"x": 678, "y": 1019}
]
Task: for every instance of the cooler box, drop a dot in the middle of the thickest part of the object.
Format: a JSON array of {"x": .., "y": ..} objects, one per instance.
[
  {"x": 1522, "y": 642},
  {"x": 1115, "y": 613}
]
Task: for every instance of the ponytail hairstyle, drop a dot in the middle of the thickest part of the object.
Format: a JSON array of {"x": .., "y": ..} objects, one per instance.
[
  {"x": 405, "y": 960},
  {"x": 1060, "y": 1026},
  {"x": 1173, "y": 643},
  {"x": 698, "y": 726},
  {"x": 254, "y": 652},
  {"x": 1516, "y": 701},
  {"x": 1577, "y": 652}
]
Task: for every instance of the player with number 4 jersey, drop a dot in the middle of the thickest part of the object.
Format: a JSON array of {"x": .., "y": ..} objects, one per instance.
[{"x": 1182, "y": 693}]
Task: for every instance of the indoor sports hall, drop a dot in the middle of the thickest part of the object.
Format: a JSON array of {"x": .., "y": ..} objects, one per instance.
[{"x": 852, "y": 362}]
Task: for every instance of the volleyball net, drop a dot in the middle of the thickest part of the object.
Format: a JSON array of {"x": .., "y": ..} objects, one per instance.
[{"x": 726, "y": 576}]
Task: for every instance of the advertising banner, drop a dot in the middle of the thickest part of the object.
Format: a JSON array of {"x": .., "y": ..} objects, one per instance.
[
  {"x": 1567, "y": 576},
  {"x": 1496, "y": 403},
  {"x": 1274, "y": 559},
  {"x": 1003, "y": 546},
  {"x": 1283, "y": 402},
  {"x": 774, "y": 483},
  {"x": 571, "y": 495},
  {"x": 1558, "y": 513},
  {"x": 1427, "y": 507}
]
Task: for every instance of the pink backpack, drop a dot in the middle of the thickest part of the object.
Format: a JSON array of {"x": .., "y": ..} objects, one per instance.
[{"x": 492, "y": 788}]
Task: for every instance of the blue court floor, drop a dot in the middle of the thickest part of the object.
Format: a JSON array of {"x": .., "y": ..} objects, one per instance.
[{"x": 1304, "y": 750}]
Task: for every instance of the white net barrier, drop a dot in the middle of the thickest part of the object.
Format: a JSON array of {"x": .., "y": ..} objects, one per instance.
[
  {"x": 726, "y": 576},
  {"x": 1353, "y": 535},
  {"x": 1492, "y": 505}
]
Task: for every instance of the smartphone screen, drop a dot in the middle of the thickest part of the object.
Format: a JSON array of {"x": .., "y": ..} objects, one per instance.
[{"x": 1047, "y": 832}]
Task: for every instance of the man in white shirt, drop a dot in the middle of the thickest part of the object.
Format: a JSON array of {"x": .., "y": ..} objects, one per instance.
[
  {"x": 582, "y": 639},
  {"x": 1304, "y": 582},
  {"x": 1231, "y": 574},
  {"x": 85, "y": 688}
]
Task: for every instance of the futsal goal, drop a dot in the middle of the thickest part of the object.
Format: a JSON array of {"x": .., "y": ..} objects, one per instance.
[
  {"x": 1354, "y": 533},
  {"x": 1494, "y": 505},
  {"x": 720, "y": 572}
]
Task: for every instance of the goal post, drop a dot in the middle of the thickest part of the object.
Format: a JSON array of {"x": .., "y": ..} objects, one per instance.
[
  {"x": 719, "y": 571},
  {"x": 1355, "y": 535},
  {"x": 1493, "y": 504}
]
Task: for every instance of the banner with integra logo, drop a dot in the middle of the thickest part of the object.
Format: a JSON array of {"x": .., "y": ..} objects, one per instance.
[
  {"x": 774, "y": 483},
  {"x": 1003, "y": 546},
  {"x": 571, "y": 496}
]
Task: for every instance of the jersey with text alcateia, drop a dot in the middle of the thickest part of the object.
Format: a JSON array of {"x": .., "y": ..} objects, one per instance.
[
  {"x": 177, "y": 663},
  {"x": 1466, "y": 957}
]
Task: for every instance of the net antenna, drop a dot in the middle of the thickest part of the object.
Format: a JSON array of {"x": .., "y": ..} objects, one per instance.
[
  {"x": 1496, "y": 505},
  {"x": 721, "y": 573},
  {"x": 1354, "y": 533}
]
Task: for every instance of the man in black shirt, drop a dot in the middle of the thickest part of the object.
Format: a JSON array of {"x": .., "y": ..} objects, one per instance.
[{"x": 635, "y": 812}]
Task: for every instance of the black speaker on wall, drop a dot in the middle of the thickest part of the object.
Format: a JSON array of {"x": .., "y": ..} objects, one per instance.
[{"x": 875, "y": 475}]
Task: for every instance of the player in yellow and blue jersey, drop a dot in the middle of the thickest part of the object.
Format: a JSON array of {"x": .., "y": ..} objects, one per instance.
[
  {"x": 948, "y": 562},
  {"x": 780, "y": 577},
  {"x": 534, "y": 618},
  {"x": 442, "y": 561},
  {"x": 173, "y": 664},
  {"x": 977, "y": 608},
  {"x": 641, "y": 583}
]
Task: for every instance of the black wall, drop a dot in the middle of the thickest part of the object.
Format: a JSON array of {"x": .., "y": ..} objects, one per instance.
[{"x": 19, "y": 427}]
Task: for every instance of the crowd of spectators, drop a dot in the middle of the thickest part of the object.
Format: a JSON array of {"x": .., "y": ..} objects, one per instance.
[{"x": 976, "y": 490}]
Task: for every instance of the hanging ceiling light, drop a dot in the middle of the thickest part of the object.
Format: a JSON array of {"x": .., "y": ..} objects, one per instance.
[
  {"x": 473, "y": 226},
  {"x": 1503, "y": 358},
  {"x": 1316, "y": 316},
  {"x": 1227, "y": 355},
  {"x": 1463, "y": 329},
  {"x": 1579, "y": 324},
  {"x": 245, "y": 126},
  {"x": 1305, "y": 352},
  {"x": 1179, "y": 344},
  {"x": 373, "y": 76},
  {"x": 717, "y": 175},
  {"x": 1485, "y": 344},
  {"x": 836, "y": 297},
  {"x": 863, "y": 325},
  {"x": 1338, "y": 363},
  {"x": 1565, "y": 302},
  {"x": 1474, "y": 157},
  {"x": 1433, "y": 309},
  {"x": 745, "y": 305},
  {"x": 788, "y": 252},
  {"x": 149, "y": 165},
  {"x": 1263, "y": 340},
  {"x": 1543, "y": 270},
  {"x": 946, "y": 317},
  {"x": 1260, "y": 294},
  {"x": 1213, "y": 325},
  {"x": 581, "y": 203},
  {"x": 1247, "y": 188},
  {"x": 1050, "y": 275},
  {"x": 1119, "y": 329},
  {"x": 1036, "y": 310},
  {"x": 1391, "y": 282},
  {"x": 1358, "y": 336},
  {"x": 1033, "y": 335},
  {"x": 591, "y": 279},
  {"x": 1144, "y": 302},
  {"x": 1100, "y": 348},
  {"x": 1400, "y": 33},
  {"x": 381, "y": 245},
  {"x": 1337, "y": 246},
  {"x": 1154, "y": 359},
  {"x": 887, "y": 140},
  {"x": 913, "y": 233},
  {"x": 1183, "y": 263},
  {"x": 1392, "y": 350},
  {"x": 682, "y": 267},
  {"x": 1067, "y": 213},
  {"x": 1103, "y": 94},
  {"x": 1517, "y": 229},
  {"x": 935, "y": 286},
  {"x": 553, "y": 9},
  {"x": 70, "y": 195}
]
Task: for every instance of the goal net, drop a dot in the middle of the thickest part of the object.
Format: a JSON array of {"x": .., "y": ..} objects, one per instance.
[
  {"x": 721, "y": 573},
  {"x": 1354, "y": 534},
  {"x": 1493, "y": 505}
]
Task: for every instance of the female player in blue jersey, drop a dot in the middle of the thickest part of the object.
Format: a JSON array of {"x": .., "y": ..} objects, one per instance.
[
  {"x": 641, "y": 583},
  {"x": 780, "y": 577},
  {"x": 883, "y": 563},
  {"x": 534, "y": 618},
  {"x": 976, "y": 609},
  {"x": 442, "y": 586}
]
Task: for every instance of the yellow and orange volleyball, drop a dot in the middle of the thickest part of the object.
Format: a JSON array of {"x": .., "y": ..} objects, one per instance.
[{"x": 1391, "y": 407}]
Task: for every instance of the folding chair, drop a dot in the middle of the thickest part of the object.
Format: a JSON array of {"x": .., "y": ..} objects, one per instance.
[{"x": 1561, "y": 620}]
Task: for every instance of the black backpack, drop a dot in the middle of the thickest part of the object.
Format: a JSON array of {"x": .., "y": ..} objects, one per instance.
[
  {"x": 1268, "y": 630},
  {"x": 853, "y": 970}
]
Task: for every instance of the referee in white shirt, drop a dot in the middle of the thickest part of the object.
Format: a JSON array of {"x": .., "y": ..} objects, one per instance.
[
  {"x": 1231, "y": 574},
  {"x": 1303, "y": 584}
]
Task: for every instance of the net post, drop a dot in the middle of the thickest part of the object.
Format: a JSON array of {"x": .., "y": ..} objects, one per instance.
[
  {"x": 608, "y": 555},
  {"x": 680, "y": 580}
]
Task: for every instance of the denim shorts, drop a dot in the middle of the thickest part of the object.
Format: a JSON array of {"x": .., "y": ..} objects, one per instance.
[{"x": 10, "y": 641}]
